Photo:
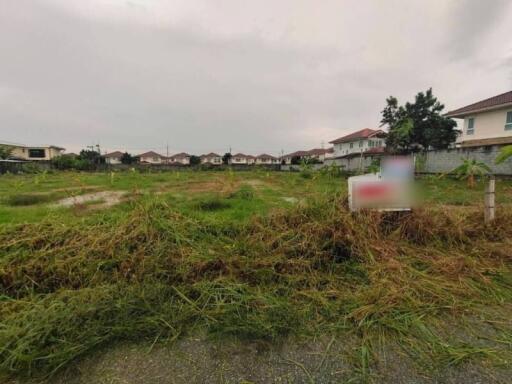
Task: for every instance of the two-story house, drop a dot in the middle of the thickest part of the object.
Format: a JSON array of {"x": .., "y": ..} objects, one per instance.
[
  {"x": 113, "y": 157},
  {"x": 240, "y": 158},
  {"x": 211, "y": 158},
  {"x": 180, "y": 158},
  {"x": 151, "y": 158},
  {"x": 365, "y": 140},
  {"x": 487, "y": 122},
  {"x": 266, "y": 159},
  {"x": 34, "y": 153}
]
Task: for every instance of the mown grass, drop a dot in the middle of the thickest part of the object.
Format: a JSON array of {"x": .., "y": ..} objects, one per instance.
[{"x": 239, "y": 261}]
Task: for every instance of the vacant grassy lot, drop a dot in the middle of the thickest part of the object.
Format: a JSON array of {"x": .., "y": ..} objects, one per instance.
[{"x": 274, "y": 259}]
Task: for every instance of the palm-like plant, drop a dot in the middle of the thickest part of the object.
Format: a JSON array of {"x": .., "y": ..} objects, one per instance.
[
  {"x": 505, "y": 153},
  {"x": 469, "y": 169}
]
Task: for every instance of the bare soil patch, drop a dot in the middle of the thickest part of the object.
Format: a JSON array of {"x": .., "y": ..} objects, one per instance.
[{"x": 107, "y": 198}]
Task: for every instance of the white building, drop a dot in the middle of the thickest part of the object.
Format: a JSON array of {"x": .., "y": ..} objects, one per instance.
[
  {"x": 266, "y": 159},
  {"x": 113, "y": 158},
  {"x": 211, "y": 158},
  {"x": 367, "y": 139},
  {"x": 240, "y": 158},
  {"x": 487, "y": 122},
  {"x": 180, "y": 158},
  {"x": 319, "y": 154},
  {"x": 150, "y": 158},
  {"x": 34, "y": 153}
]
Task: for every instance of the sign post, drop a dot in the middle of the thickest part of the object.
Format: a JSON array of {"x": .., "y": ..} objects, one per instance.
[{"x": 489, "y": 212}]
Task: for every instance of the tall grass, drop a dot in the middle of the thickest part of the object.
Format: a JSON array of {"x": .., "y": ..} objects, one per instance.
[{"x": 316, "y": 268}]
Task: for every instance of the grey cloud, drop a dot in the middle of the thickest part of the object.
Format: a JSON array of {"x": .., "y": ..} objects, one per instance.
[
  {"x": 72, "y": 80},
  {"x": 472, "y": 20}
]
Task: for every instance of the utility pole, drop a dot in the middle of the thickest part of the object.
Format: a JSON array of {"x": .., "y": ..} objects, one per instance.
[{"x": 99, "y": 152}]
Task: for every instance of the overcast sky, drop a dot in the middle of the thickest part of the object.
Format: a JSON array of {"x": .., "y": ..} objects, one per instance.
[{"x": 258, "y": 75}]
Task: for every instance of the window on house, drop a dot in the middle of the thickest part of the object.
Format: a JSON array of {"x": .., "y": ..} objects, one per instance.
[
  {"x": 155, "y": 159},
  {"x": 351, "y": 145},
  {"x": 360, "y": 143},
  {"x": 370, "y": 143},
  {"x": 471, "y": 126},
  {"x": 37, "y": 153},
  {"x": 508, "y": 123}
]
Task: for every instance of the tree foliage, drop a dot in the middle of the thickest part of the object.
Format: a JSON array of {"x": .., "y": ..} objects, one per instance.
[
  {"x": 225, "y": 159},
  {"x": 126, "y": 158},
  {"x": 91, "y": 156},
  {"x": 419, "y": 125},
  {"x": 505, "y": 153},
  {"x": 195, "y": 160},
  {"x": 5, "y": 151}
]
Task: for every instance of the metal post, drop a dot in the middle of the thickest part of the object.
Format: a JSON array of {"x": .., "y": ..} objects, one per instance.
[{"x": 489, "y": 212}]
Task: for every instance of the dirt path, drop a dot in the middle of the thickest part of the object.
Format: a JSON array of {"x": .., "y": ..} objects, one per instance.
[{"x": 199, "y": 360}]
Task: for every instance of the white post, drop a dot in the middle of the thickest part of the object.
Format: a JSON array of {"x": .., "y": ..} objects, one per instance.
[{"x": 489, "y": 212}]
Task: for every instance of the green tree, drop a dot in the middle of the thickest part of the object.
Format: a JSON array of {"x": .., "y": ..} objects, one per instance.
[
  {"x": 505, "y": 153},
  {"x": 419, "y": 125},
  {"x": 126, "y": 158},
  {"x": 195, "y": 160},
  {"x": 91, "y": 156},
  {"x": 5, "y": 151},
  {"x": 225, "y": 159},
  {"x": 296, "y": 160},
  {"x": 470, "y": 169}
]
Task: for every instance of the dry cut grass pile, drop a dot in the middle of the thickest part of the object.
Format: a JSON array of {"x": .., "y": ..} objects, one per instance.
[{"x": 314, "y": 269}]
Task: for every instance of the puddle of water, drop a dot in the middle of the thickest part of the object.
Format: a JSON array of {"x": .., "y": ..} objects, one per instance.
[{"x": 108, "y": 199}]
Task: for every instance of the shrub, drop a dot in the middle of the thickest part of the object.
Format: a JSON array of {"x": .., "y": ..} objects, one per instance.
[
  {"x": 27, "y": 199},
  {"x": 246, "y": 192},
  {"x": 213, "y": 204}
]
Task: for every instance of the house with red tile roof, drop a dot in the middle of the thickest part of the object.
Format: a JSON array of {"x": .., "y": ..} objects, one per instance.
[
  {"x": 241, "y": 158},
  {"x": 316, "y": 153},
  {"x": 266, "y": 159},
  {"x": 113, "y": 157},
  {"x": 179, "y": 158},
  {"x": 211, "y": 158},
  {"x": 486, "y": 122},
  {"x": 359, "y": 142},
  {"x": 150, "y": 158}
]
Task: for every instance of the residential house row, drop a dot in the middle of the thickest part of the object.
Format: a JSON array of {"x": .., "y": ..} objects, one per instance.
[
  {"x": 183, "y": 158},
  {"x": 484, "y": 124}
]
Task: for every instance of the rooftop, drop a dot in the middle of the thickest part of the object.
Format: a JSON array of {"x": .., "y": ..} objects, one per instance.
[
  {"x": 211, "y": 154},
  {"x": 491, "y": 103},
  {"x": 362, "y": 134},
  {"x": 114, "y": 154},
  {"x": 149, "y": 154}
]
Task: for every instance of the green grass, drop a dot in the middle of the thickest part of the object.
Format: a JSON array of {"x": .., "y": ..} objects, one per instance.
[{"x": 226, "y": 254}]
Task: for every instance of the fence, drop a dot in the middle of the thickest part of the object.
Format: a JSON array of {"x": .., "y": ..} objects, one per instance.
[{"x": 439, "y": 161}]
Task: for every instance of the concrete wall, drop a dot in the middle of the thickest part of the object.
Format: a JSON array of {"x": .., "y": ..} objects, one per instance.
[
  {"x": 442, "y": 161},
  {"x": 446, "y": 160},
  {"x": 353, "y": 164}
]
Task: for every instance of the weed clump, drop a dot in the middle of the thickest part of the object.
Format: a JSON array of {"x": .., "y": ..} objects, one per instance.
[
  {"x": 213, "y": 204},
  {"x": 246, "y": 192},
  {"x": 314, "y": 268},
  {"x": 28, "y": 199}
]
